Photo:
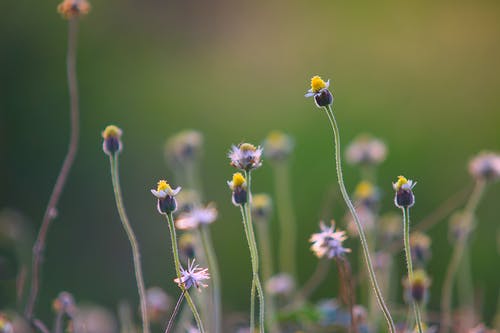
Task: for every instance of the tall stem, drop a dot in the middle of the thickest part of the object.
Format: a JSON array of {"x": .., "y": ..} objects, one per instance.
[
  {"x": 252, "y": 290},
  {"x": 409, "y": 264},
  {"x": 174, "y": 313},
  {"x": 362, "y": 237},
  {"x": 51, "y": 210},
  {"x": 177, "y": 264},
  {"x": 113, "y": 160}
]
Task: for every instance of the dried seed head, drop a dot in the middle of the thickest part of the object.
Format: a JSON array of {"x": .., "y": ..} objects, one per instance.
[{"x": 73, "y": 8}]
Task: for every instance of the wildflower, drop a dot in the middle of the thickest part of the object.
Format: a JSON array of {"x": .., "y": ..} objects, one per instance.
[
  {"x": 485, "y": 166},
  {"x": 166, "y": 197},
  {"x": 73, "y": 8},
  {"x": 245, "y": 156},
  {"x": 196, "y": 216},
  {"x": 5, "y": 325},
  {"x": 262, "y": 207},
  {"x": 158, "y": 303},
  {"x": 239, "y": 188},
  {"x": 280, "y": 284},
  {"x": 366, "y": 150},
  {"x": 187, "y": 200},
  {"x": 278, "y": 146},
  {"x": 187, "y": 246},
  {"x": 319, "y": 90},
  {"x": 193, "y": 276},
  {"x": 391, "y": 228},
  {"x": 366, "y": 194},
  {"x": 404, "y": 197},
  {"x": 328, "y": 242},
  {"x": 112, "y": 140},
  {"x": 64, "y": 303},
  {"x": 420, "y": 245},
  {"x": 417, "y": 289},
  {"x": 183, "y": 148}
]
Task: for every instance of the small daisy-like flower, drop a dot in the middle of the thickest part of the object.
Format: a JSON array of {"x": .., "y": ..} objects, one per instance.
[
  {"x": 245, "y": 156},
  {"x": 366, "y": 150},
  {"x": 158, "y": 303},
  {"x": 196, "y": 216},
  {"x": 278, "y": 146},
  {"x": 166, "y": 197},
  {"x": 328, "y": 242},
  {"x": 420, "y": 248},
  {"x": 262, "y": 207},
  {"x": 183, "y": 148},
  {"x": 112, "y": 140},
  {"x": 404, "y": 197},
  {"x": 417, "y": 289},
  {"x": 193, "y": 276},
  {"x": 238, "y": 186},
  {"x": 73, "y": 8},
  {"x": 64, "y": 303},
  {"x": 319, "y": 90},
  {"x": 485, "y": 166},
  {"x": 280, "y": 284}
]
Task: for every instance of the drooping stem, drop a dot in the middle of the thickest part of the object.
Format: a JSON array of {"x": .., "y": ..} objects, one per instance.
[
  {"x": 51, "y": 210},
  {"x": 213, "y": 268},
  {"x": 362, "y": 237},
  {"x": 174, "y": 313},
  {"x": 113, "y": 160},
  {"x": 409, "y": 264},
  {"x": 177, "y": 264}
]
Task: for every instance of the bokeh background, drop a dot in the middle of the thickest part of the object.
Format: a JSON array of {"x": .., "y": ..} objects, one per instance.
[{"x": 423, "y": 76}]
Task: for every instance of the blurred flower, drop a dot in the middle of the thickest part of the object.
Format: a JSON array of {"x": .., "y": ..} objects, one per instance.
[
  {"x": 195, "y": 217},
  {"x": 328, "y": 242},
  {"x": 319, "y": 90},
  {"x": 187, "y": 247},
  {"x": 191, "y": 329},
  {"x": 5, "y": 325},
  {"x": 278, "y": 146},
  {"x": 382, "y": 260},
  {"x": 166, "y": 197},
  {"x": 245, "y": 156},
  {"x": 418, "y": 289},
  {"x": 366, "y": 194},
  {"x": 404, "y": 197},
  {"x": 390, "y": 228},
  {"x": 158, "y": 303},
  {"x": 64, "y": 303},
  {"x": 481, "y": 328},
  {"x": 366, "y": 218},
  {"x": 366, "y": 150},
  {"x": 93, "y": 319},
  {"x": 280, "y": 284},
  {"x": 262, "y": 207},
  {"x": 187, "y": 200},
  {"x": 193, "y": 276},
  {"x": 183, "y": 148},
  {"x": 485, "y": 166},
  {"x": 73, "y": 8},
  {"x": 238, "y": 186},
  {"x": 112, "y": 140},
  {"x": 420, "y": 245},
  {"x": 461, "y": 224}
]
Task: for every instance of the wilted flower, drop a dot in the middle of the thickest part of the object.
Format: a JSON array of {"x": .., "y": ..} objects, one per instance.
[
  {"x": 417, "y": 289},
  {"x": 183, "y": 148},
  {"x": 278, "y": 146},
  {"x": 420, "y": 245},
  {"x": 328, "y": 242},
  {"x": 112, "y": 140},
  {"x": 280, "y": 284},
  {"x": 64, "y": 303},
  {"x": 366, "y": 150},
  {"x": 485, "y": 166},
  {"x": 404, "y": 197},
  {"x": 193, "y": 276},
  {"x": 157, "y": 304},
  {"x": 196, "y": 216},
  {"x": 262, "y": 207},
  {"x": 166, "y": 197},
  {"x": 319, "y": 90},
  {"x": 239, "y": 188},
  {"x": 5, "y": 325},
  {"x": 245, "y": 156},
  {"x": 73, "y": 8}
]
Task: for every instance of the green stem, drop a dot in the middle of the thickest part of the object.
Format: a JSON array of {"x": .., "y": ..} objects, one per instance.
[
  {"x": 174, "y": 313},
  {"x": 252, "y": 290},
  {"x": 113, "y": 160},
  {"x": 362, "y": 237},
  {"x": 409, "y": 264},
  {"x": 214, "y": 274},
  {"x": 177, "y": 263}
]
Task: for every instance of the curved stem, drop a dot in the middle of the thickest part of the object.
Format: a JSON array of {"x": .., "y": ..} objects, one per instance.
[
  {"x": 177, "y": 263},
  {"x": 362, "y": 237},
  {"x": 174, "y": 313},
  {"x": 51, "y": 210},
  {"x": 113, "y": 160}
]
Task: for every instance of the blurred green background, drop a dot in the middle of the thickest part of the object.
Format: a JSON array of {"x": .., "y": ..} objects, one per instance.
[{"x": 423, "y": 76}]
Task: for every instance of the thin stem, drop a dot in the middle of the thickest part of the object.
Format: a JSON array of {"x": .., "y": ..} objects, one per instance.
[
  {"x": 409, "y": 264},
  {"x": 214, "y": 272},
  {"x": 51, "y": 210},
  {"x": 314, "y": 281},
  {"x": 39, "y": 325},
  {"x": 113, "y": 160},
  {"x": 58, "y": 322},
  {"x": 177, "y": 263},
  {"x": 347, "y": 289},
  {"x": 252, "y": 290},
  {"x": 174, "y": 313},
  {"x": 362, "y": 237}
]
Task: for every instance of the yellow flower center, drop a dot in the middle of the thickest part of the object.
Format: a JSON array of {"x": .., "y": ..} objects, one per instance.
[
  {"x": 317, "y": 84},
  {"x": 111, "y": 131},
  {"x": 238, "y": 179},
  {"x": 364, "y": 190},
  {"x": 401, "y": 181},
  {"x": 163, "y": 186},
  {"x": 420, "y": 278},
  {"x": 247, "y": 147}
]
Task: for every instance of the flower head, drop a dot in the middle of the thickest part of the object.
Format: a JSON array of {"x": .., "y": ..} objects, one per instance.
[
  {"x": 328, "y": 242},
  {"x": 73, "y": 8},
  {"x": 5, "y": 325},
  {"x": 278, "y": 146},
  {"x": 238, "y": 186},
  {"x": 193, "y": 276},
  {"x": 262, "y": 207},
  {"x": 366, "y": 194},
  {"x": 196, "y": 216},
  {"x": 418, "y": 288},
  {"x": 245, "y": 156},
  {"x": 420, "y": 245},
  {"x": 183, "y": 148},
  {"x": 366, "y": 150},
  {"x": 166, "y": 197},
  {"x": 319, "y": 90},
  {"x": 64, "y": 303},
  {"x": 187, "y": 246},
  {"x": 404, "y": 197},
  {"x": 485, "y": 166},
  {"x": 280, "y": 284},
  {"x": 112, "y": 140},
  {"x": 158, "y": 303}
]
